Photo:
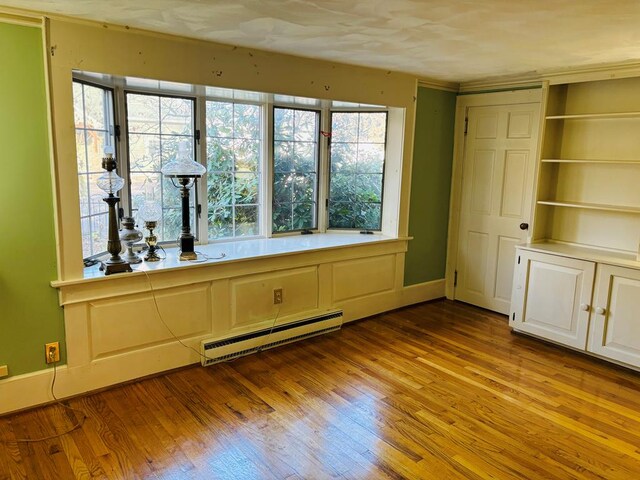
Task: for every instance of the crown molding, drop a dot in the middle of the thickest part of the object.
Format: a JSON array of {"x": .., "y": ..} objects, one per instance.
[
  {"x": 438, "y": 84},
  {"x": 587, "y": 73},
  {"x": 518, "y": 82},
  {"x": 594, "y": 72},
  {"x": 21, "y": 17}
]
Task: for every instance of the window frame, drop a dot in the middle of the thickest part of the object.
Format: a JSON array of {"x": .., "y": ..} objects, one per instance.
[
  {"x": 113, "y": 133},
  {"x": 262, "y": 172},
  {"x": 384, "y": 166},
  {"x": 320, "y": 115},
  {"x": 196, "y": 137}
]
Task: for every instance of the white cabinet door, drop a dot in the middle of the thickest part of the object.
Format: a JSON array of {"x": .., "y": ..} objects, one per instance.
[
  {"x": 615, "y": 329},
  {"x": 552, "y": 297}
]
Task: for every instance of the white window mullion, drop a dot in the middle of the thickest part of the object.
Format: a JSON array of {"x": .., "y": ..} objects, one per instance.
[
  {"x": 323, "y": 168},
  {"x": 267, "y": 168},
  {"x": 201, "y": 157},
  {"x": 121, "y": 149}
]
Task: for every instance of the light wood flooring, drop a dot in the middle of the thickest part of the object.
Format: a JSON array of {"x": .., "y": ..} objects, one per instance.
[{"x": 436, "y": 391}]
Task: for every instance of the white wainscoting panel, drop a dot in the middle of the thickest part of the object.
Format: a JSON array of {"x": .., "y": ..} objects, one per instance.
[
  {"x": 123, "y": 323},
  {"x": 355, "y": 278},
  {"x": 252, "y": 296}
]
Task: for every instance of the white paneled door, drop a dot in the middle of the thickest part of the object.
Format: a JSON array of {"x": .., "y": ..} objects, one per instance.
[{"x": 497, "y": 182}]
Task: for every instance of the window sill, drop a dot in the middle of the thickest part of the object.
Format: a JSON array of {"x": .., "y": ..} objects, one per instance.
[{"x": 239, "y": 251}]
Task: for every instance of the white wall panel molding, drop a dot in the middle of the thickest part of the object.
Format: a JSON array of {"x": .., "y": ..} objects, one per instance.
[{"x": 120, "y": 350}]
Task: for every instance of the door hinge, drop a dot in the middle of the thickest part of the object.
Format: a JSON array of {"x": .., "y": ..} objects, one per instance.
[
  {"x": 197, "y": 137},
  {"x": 326, "y": 203},
  {"x": 513, "y": 317},
  {"x": 518, "y": 259},
  {"x": 455, "y": 278},
  {"x": 466, "y": 125},
  {"x": 116, "y": 132},
  {"x": 199, "y": 209}
]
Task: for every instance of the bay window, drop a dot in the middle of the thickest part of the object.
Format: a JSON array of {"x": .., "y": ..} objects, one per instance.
[{"x": 275, "y": 164}]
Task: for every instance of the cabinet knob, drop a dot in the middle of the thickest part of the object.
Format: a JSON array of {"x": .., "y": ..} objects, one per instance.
[
  {"x": 584, "y": 307},
  {"x": 524, "y": 226},
  {"x": 600, "y": 310}
]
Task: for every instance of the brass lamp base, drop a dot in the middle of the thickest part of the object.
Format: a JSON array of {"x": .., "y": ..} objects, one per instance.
[
  {"x": 188, "y": 256},
  {"x": 152, "y": 256}
]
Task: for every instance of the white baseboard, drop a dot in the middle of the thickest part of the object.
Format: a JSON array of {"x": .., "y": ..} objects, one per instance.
[
  {"x": 25, "y": 391},
  {"x": 423, "y": 292}
]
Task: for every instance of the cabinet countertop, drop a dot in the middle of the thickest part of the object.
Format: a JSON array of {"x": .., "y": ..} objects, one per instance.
[{"x": 585, "y": 253}]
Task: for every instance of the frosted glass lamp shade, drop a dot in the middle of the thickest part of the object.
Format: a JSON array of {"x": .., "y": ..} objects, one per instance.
[
  {"x": 183, "y": 166},
  {"x": 150, "y": 212},
  {"x": 110, "y": 182}
]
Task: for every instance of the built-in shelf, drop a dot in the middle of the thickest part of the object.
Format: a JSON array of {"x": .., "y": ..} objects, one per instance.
[
  {"x": 580, "y": 116},
  {"x": 591, "y": 206},
  {"x": 599, "y": 161}
]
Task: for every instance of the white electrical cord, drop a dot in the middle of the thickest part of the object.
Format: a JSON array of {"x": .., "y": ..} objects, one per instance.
[
  {"x": 58, "y": 402},
  {"x": 155, "y": 303}
]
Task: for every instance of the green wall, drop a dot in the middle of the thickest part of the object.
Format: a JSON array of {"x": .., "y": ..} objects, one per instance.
[
  {"x": 29, "y": 311},
  {"x": 430, "y": 186}
]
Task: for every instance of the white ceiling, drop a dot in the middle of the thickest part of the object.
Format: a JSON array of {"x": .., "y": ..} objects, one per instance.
[{"x": 454, "y": 40}]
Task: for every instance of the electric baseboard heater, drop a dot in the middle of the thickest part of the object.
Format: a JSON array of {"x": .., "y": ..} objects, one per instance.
[{"x": 224, "y": 349}]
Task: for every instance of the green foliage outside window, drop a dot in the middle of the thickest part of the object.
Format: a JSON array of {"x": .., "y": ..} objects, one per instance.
[
  {"x": 357, "y": 166},
  {"x": 233, "y": 166},
  {"x": 295, "y": 169}
]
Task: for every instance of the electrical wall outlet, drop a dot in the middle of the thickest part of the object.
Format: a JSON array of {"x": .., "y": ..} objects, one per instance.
[
  {"x": 277, "y": 296},
  {"x": 52, "y": 352},
  {"x": 4, "y": 371}
]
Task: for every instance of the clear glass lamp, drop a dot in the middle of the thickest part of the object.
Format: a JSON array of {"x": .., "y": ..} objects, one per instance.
[
  {"x": 184, "y": 170},
  {"x": 111, "y": 184}
]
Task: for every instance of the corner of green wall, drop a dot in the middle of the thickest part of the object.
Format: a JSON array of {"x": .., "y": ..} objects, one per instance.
[
  {"x": 430, "y": 186},
  {"x": 30, "y": 313}
]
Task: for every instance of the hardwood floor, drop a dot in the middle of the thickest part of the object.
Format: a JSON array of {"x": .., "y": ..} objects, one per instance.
[{"x": 441, "y": 390}]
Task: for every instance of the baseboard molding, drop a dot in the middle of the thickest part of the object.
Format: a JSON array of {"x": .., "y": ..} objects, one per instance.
[
  {"x": 32, "y": 389},
  {"x": 422, "y": 292}
]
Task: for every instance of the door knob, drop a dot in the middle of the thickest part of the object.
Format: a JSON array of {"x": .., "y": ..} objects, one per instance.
[
  {"x": 600, "y": 310},
  {"x": 524, "y": 226},
  {"x": 584, "y": 307}
]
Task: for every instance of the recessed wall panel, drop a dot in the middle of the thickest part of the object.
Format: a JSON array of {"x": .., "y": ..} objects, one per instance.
[
  {"x": 356, "y": 278},
  {"x": 252, "y": 296},
  {"x": 132, "y": 321}
]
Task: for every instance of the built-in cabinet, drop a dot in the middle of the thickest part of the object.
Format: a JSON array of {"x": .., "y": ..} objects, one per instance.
[
  {"x": 578, "y": 282},
  {"x": 556, "y": 302},
  {"x": 583, "y": 304}
]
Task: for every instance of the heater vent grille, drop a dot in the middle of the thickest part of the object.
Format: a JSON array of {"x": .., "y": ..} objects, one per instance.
[{"x": 226, "y": 349}]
